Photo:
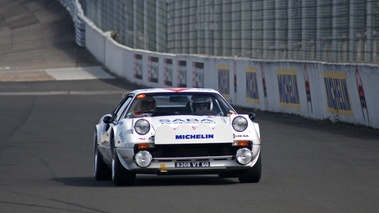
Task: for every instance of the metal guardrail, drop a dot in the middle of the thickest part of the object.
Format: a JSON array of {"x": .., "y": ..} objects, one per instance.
[{"x": 76, "y": 12}]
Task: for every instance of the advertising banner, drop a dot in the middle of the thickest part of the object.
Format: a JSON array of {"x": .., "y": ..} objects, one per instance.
[
  {"x": 181, "y": 73},
  {"x": 137, "y": 66},
  {"x": 337, "y": 93},
  {"x": 223, "y": 80},
  {"x": 153, "y": 69},
  {"x": 168, "y": 72},
  {"x": 198, "y": 74},
  {"x": 288, "y": 88}
]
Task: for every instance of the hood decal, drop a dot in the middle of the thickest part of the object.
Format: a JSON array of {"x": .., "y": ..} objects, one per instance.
[
  {"x": 194, "y": 136},
  {"x": 186, "y": 134},
  {"x": 187, "y": 121}
]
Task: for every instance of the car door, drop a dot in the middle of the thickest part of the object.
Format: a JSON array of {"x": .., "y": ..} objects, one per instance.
[{"x": 116, "y": 115}]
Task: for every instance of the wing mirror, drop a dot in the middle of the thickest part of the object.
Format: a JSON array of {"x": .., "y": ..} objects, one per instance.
[
  {"x": 108, "y": 119},
  {"x": 252, "y": 116}
]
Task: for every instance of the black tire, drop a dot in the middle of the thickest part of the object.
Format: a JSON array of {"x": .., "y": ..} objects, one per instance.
[
  {"x": 120, "y": 175},
  {"x": 101, "y": 169},
  {"x": 229, "y": 174},
  {"x": 252, "y": 175}
]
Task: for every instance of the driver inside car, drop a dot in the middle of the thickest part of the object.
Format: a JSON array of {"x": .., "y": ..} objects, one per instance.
[
  {"x": 202, "y": 106},
  {"x": 144, "y": 107}
]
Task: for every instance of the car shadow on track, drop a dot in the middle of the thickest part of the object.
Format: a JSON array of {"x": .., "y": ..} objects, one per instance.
[{"x": 150, "y": 180}]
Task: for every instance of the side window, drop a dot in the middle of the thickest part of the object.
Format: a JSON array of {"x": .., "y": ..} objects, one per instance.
[
  {"x": 121, "y": 108},
  {"x": 217, "y": 107}
]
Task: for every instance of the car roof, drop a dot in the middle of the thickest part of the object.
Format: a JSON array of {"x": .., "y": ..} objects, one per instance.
[{"x": 174, "y": 90}]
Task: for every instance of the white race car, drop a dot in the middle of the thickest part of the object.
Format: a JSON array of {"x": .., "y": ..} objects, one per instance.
[{"x": 176, "y": 131}]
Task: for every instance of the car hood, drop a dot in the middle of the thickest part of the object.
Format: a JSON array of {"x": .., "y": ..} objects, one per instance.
[{"x": 192, "y": 129}]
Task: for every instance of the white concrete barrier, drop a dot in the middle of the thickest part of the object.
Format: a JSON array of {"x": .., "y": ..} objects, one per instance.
[{"x": 341, "y": 92}]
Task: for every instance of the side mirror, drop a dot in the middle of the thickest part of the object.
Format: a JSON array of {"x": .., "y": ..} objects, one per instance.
[
  {"x": 252, "y": 116},
  {"x": 108, "y": 119}
]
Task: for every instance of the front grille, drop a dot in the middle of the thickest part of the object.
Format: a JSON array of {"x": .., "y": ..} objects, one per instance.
[{"x": 192, "y": 150}]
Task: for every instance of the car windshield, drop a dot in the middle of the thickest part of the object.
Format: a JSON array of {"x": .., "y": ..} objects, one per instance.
[{"x": 159, "y": 104}]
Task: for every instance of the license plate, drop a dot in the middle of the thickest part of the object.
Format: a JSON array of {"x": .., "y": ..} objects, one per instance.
[{"x": 190, "y": 164}]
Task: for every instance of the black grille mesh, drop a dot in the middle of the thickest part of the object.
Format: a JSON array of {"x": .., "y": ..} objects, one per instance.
[{"x": 192, "y": 150}]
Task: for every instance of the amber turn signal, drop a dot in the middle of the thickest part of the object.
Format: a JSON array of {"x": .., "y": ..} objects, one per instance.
[
  {"x": 241, "y": 143},
  {"x": 144, "y": 146}
]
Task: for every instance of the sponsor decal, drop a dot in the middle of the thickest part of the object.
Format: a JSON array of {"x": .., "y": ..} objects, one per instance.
[
  {"x": 122, "y": 137},
  {"x": 177, "y": 89},
  {"x": 207, "y": 121},
  {"x": 178, "y": 121},
  {"x": 104, "y": 138},
  {"x": 241, "y": 136},
  {"x": 194, "y": 136},
  {"x": 187, "y": 121}
]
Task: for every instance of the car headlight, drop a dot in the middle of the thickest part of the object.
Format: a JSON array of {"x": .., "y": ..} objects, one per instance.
[
  {"x": 143, "y": 158},
  {"x": 239, "y": 123},
  {"x": 142, "y": 126}
]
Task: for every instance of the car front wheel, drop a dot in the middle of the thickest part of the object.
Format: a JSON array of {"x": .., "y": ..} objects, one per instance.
[
  {"x": 252, "y": 175},
  {"x": 101, "y": 169},
  {"x": 120, "y": 175}
]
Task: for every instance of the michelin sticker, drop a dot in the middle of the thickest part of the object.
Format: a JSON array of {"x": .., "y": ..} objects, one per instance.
[{"x": 194, "y": 136}]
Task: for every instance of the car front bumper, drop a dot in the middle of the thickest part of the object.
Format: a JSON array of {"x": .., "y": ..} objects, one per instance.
[{"x": 185, "y": 165}]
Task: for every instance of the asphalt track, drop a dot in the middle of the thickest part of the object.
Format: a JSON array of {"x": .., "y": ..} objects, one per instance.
[{"x": 47, "y": 124}]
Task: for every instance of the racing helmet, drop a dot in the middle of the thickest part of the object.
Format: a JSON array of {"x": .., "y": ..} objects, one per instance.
[
  {"x": 201, "y": 103},
  {"x": 148, "y": 104}
]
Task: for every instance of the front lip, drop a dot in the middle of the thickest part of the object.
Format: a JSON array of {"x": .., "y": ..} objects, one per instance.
[
  {"x": 168, "y": 168},
  {"x": 217, "y": 163},
  {"x": 210, "y": 158}
]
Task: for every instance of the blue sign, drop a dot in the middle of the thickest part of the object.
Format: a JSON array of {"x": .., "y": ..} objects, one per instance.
[
  {"x": 252, "y": 94},
  {"x": 288, "y": 89},
  {"x": 337, "y": 93}
]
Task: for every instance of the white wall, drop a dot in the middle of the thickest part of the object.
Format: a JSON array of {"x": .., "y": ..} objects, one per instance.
[{"x": 332, "y": 93}]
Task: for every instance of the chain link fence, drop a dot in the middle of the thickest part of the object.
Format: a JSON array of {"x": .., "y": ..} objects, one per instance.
[{"x": 311, "y": 30}]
